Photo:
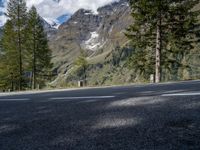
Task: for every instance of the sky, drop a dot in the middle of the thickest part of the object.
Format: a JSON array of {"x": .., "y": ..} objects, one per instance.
[
  {"x": 2, "y": 10},
  {"x": 54, "y": 9}
]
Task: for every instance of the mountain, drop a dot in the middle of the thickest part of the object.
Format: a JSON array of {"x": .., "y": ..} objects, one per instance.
[
  {"x": 57, "y": 22},
  {"x": 95, "y": 33},
  {"x": 49, "y": 27}
]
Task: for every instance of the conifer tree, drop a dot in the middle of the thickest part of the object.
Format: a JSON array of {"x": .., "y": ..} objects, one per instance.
[
  {"x": 82, "y": 64},
  {"x": 3, "y": 69},
  {"x": 39, "y": 55},
  {"x": 161, "y": 28},
  {"x": 24, "y": 48},
  {"x": 10, "y": 60},
  {"x": 17, "y": 15}
]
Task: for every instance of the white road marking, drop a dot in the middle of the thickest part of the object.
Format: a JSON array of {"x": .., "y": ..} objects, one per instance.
[
  {"x": 85, "y": 97},
  {"x": 182, "y": 94},
  {"x": 14, "y": 99}
]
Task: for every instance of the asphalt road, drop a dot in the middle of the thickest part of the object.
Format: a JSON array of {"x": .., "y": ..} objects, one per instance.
[{"x": 148, "y": 117}]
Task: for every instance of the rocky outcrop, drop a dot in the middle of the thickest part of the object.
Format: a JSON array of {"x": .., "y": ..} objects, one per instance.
[{"x": 50, "y": 29}]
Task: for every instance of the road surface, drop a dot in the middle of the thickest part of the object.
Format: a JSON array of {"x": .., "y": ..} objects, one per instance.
[{"x": 150, "y": 117}]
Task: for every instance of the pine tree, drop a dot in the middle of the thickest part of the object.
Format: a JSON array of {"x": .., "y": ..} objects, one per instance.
[
  {"x": 3, "y": 69},
  {"x": 161, "y": 28},
  {"x": 39, "y": 55},
  {"x": 25, "y": 48},
  {"x": 82, "y": 64},
  {"x": 10, "y": 61},
  {"x": 16, "y": 13},
  {"x": 116, "y": 55}
]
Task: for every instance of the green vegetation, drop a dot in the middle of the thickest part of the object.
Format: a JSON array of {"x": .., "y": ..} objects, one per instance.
[
  {"x": 24, "y": 49},
  {"x": 163, "y": 34},
  {"x": 81, "y": 65},
  {"x": 39, "y": 55},
  {"x": 162, "y": 41}
]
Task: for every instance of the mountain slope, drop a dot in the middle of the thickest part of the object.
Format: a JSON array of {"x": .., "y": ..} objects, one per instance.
[
  {"x": 50, "y": 29},
  {"x": 97, "y": 34}
]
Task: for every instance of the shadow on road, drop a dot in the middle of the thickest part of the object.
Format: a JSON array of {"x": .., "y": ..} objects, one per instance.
[{"x": 141, "y": 119}]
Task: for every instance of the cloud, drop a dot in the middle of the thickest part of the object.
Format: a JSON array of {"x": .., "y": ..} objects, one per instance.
[
  {"x": 55, "y": 8},
  {"x": 2, "y": 11},
  {"x": 3, "y": 19},
  {"x": 52, "y": 9}
]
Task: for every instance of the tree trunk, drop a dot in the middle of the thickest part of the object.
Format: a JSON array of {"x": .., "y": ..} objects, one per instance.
[
  {"x": 158, "y": 52},
  {"x": 34, "y": 60},
  {"x": 12, "y": 82},
  {"x": 20, "y": 50},
  {"x": 85, "y": 76}
]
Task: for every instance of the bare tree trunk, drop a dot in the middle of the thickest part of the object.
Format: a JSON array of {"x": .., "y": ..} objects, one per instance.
[
  {"x": 158, "y": 52},
  {"x": 85, "y": 76},
  {"x": 20, "y": 51},
  {"x": 12, "y": 82},
  {"x": 34, "y": 60},
  {"x": 34, "y": 79}
]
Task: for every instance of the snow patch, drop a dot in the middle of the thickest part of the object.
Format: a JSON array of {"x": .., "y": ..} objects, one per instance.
[
  {"x": 125, "y": 4},
  {"x": 91, "y": 12},
  {"x": 93, "y": 43},
  {"x": 88, "y": 14},
  {"x": 94, "y": 35},
  {"x": 52, "y": 23},
  {"x": 111, "y": 29}
]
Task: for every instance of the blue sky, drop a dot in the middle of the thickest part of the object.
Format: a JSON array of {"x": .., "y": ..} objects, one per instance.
[
  {"x": 55, "y": 10},
  {"x": 2, "y": 10}
]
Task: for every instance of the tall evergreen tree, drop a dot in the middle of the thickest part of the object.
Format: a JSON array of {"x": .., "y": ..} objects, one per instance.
[
  {"x": 3, "y": 69},
  {"x": 39, "y": 55},
  {"x": 10, "y": 60},
  {"x": 161, "y": 28},
  {"x": 17, "y": 15}
]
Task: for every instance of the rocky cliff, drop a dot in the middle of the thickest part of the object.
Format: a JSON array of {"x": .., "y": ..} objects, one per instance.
[{"x": 97, "y": 33}]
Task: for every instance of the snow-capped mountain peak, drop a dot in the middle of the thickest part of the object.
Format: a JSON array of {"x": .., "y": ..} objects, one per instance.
[{"x": 52, "y": 23}]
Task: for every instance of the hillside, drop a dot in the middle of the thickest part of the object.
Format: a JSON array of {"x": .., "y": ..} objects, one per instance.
[{"x": 97, "y": 34}]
